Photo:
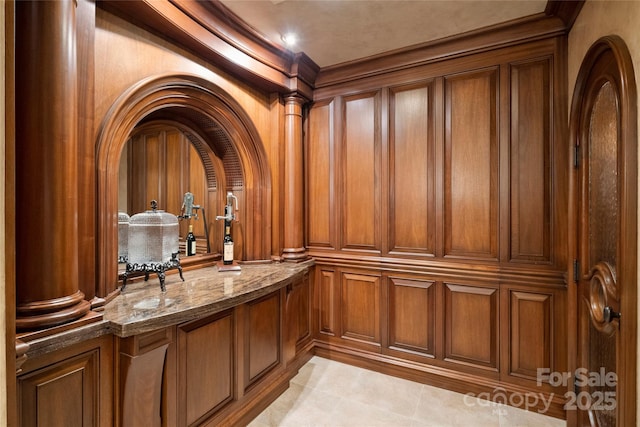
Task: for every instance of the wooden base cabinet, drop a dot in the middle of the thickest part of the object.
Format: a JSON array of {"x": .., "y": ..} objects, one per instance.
[
  {"x": 222, "y": 369},
  {"x": 68, "y": 387}
]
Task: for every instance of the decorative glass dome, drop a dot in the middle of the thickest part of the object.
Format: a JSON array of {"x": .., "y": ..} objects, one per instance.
[
  {"x": 123, "y": 236},
  {"x": 153, "y": 244}
]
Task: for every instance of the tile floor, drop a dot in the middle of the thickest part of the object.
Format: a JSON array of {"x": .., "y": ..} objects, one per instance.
[{"x": 333, "y": 394}]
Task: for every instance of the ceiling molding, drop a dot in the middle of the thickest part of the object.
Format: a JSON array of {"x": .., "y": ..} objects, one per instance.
[
  {"x": 567, "y": 11},
  {"x": 213, "y": 33}
]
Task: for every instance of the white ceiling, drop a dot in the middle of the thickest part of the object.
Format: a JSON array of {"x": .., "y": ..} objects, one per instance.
[{"x": 336, "y": 31}]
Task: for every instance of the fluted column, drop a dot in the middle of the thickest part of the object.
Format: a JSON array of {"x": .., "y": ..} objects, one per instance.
[
  {"x": 47, "y": 289},
  {"x": 293, "y": 186}
]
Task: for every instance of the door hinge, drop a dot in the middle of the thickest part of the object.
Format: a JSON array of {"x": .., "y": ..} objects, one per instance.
[
  {"x": 576, "y": 270},
  {"x": 576, "y": 156},
  {"x": 576, "y": 388}
]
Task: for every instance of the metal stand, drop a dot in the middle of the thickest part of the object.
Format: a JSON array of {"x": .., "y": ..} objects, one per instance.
[{"x": 154, "y": 267}]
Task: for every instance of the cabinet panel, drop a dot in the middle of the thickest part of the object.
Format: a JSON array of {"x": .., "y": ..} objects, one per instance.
[
  {"x": 360, "y": 307},
  {"x": 412, "y": 170},
  {"x": 298, "y": 317},
  {"x": 471, "y": 165},
  {"x": 530, "y": 161},
  {"x": 69, "y": 387},
  {"x": 262, "y": 337},
  {"x": 63, "y": 394},
  {"x": 320, "y": 173},
  {"x": 412, "y": 315},
  {"x": 471, "y": 322},
  {"x": 531, "y": 320},
  {"x": 205, "y": 366},
  {"x": 361, "y": 196},
  {"x": 327, "y": 301}
]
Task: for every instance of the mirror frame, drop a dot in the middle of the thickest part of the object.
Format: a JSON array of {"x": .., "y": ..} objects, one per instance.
[{"x": 192, "y": 92}]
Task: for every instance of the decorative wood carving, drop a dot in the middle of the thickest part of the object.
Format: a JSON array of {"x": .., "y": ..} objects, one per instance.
[{"x": 190, "y": 92}]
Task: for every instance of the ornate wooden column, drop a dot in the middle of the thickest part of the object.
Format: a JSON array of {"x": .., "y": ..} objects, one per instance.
[
  {"x": 46, "y": 165},
  {"x": 293, "y": 176}
]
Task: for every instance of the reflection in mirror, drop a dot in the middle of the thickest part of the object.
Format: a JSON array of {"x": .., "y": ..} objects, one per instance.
[{"x": 161, "y": 162}]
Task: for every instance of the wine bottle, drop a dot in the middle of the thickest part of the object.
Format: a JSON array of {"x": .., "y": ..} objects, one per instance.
[
  {"x": 191, "y": 242},
  {"x": 227, "y": 252}
]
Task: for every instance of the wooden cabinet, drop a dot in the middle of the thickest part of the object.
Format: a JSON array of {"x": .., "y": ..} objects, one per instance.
[
  {"x": 68, "y": 387},
  {"x": 206, "y": 365},
  {"x": 222, "y": 369}
]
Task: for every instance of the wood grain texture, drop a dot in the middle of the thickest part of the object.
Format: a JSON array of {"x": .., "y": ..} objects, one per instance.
[
  {"x": 360, "y": 302},
  {"x": 471, "y": 326},
  {"x": 321, "y": 210},
  {"x": 412, "y": 315},
  {"x": 412, "y": 170},
  {"x": 206, "y": 359},
  {"x": 530, "y": 161},
  {"x": 361, "y": 167},
  {"x": 471, "y": 165},
  {"x": 531, "y": 324}
]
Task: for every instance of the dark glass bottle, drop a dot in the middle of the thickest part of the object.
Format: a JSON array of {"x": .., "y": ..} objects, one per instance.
[
  {"x": 191, "y": 242},
  {"x": 227, "y": 250}
]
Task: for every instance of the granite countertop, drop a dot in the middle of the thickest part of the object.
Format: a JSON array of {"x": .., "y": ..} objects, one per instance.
[{"x": 142, "y": 307}]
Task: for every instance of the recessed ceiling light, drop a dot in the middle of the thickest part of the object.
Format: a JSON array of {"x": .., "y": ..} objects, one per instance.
[{"x": 289, "y": 39}]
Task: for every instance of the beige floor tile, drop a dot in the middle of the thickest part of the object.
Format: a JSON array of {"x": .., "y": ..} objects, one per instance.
[{"x": 326, "y": 393}]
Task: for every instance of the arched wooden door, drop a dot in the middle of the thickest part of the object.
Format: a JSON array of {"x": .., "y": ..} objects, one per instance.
[{"x": 603, "y": 129}]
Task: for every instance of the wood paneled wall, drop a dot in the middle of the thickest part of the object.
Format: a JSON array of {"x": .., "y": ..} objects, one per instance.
[
  {"x": 163, "y": 165},
  {"x": 436, "y": 208}
]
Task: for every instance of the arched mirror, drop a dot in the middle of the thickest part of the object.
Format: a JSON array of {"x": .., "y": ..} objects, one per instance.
[
  {"x": 171, "y": 134},
  {"x": 170, "y": 156}
]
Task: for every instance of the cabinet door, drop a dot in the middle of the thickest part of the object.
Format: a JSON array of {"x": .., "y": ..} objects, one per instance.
[
  {"x": 71, "y": 387},
  {"x": 262, "y": 337},
  {"x": 205, "y": 367}
]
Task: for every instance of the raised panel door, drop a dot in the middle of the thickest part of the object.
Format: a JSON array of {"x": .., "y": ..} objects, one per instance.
[
  {"x": 205, "y": 366},
  {"x": 262, "y": 337},
  {"x": 63, "y": 394}
]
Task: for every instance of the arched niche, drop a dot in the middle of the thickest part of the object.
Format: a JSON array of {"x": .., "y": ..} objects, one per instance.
[{"x": 183, "y": 96}]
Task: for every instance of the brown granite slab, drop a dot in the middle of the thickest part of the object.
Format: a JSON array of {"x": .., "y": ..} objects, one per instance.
[{"x": 143, "y": 307}]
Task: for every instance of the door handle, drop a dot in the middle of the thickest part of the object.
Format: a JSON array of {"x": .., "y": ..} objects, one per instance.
[{"x": 609, "y": 314}]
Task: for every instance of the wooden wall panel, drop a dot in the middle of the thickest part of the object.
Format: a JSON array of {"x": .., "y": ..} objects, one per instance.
[
  {"x": 163, "y": 165},
  {"x": 471, "y": 325},
  {"x": 177, "y": 156},
  {"x": 360, "y": 307},
  {"x": 412, "y": 315},
  {"x": 327, "y": 301},
  {"x": 205, "y": 366},
  {"x": 471, "y": 165},
  {"x": 361, "y": 168},
  {"x": 412, "y": 170},
  {"x": 531, "y": 320},
  {"x": 262, "y": 339},
  {"x": 530, "y": 161},
  {"x": 321, "y": 214}
]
